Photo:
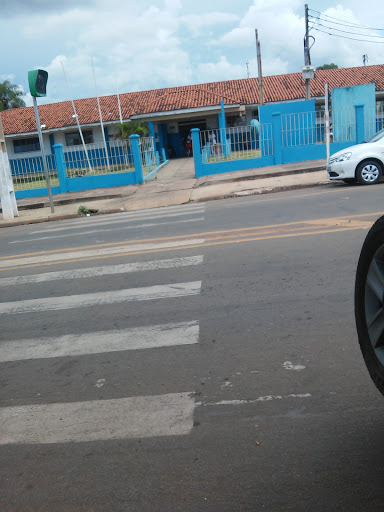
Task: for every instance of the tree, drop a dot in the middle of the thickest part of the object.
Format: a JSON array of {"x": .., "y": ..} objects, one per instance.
[
  {"x": 10, "y": 96},
  {"x": 328, "y": 66},
  {"x": 132, "y": 127}
]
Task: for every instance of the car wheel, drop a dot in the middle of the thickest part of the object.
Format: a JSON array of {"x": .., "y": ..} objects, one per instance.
[
  {"x": 368, "y": 172},
  {"x": 369, "y": 302}
]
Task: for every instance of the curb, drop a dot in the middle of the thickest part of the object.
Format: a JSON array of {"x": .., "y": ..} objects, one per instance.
[
  {"x": 73, "y": 200},
  {"x": 51, "y": 218},
  {"x": 261, "y": 176},
  {"x": 261, "y": 191}
]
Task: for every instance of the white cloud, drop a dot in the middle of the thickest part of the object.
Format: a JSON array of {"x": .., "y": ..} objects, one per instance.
[
  {"x": 142, "y": 45},
  {"x": 197, "y": 22},
  {"x": 220, "y": 70}
]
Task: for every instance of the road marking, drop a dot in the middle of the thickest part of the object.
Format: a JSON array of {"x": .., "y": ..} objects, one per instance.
[
  {"x": 96, "y": 252},
  {"x": 96, "y": 420},
  {"x": 194, "y": 246},
  {"x": 211, "y": 238},
  {"x": 103, "y": 271},
  {"x": 156, "y": 336},
  {"x": 267, "y": 398},
  {"x": 123, "y": 218},
  {"x": 101, "y": 298},
  {"x": 120, "y": 228},
  {"x": 119, "y": 221},
  {"x": 296, "y": 367},
  {"x": 326, "y": 222}
]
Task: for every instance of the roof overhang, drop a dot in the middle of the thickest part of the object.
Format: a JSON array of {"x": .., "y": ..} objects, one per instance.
[
  {"x": 187, "y": 112},
  {"x": 71, "y": 127}
]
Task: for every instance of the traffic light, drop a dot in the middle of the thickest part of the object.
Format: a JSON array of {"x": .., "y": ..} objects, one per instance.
[{"x": 37, "y": 80}]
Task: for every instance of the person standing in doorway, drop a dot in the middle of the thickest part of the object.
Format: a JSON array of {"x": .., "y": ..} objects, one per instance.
[{"x": 212, "y": 142}]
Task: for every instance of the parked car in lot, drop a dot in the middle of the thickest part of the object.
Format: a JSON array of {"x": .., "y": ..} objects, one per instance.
[
  {"x": 363, "y": 162},
  {"x": 369, "y": 302}
]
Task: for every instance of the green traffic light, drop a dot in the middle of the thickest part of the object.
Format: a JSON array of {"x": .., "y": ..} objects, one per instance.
[{"x": 37, "y": 80}]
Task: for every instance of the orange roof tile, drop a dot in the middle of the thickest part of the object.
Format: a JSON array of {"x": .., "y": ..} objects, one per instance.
[{"x": 245, "y": 92}]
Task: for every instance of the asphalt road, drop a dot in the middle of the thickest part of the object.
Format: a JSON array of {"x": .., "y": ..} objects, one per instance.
[{"x": 202, "y": 357}]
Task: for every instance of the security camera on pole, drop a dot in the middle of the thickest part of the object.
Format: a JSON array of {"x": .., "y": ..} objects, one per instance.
[
  {"x": 37, "y": 80},
  {"x": 7, "y": 193}
]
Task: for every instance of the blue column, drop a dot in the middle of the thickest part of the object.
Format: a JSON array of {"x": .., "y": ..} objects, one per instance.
[
  {"x": 360, "y": 128},
  {"x": 222, "y": 129},
  {"x": 161, "y": 138},
  {"x": 196, "y": 152},
  {"x": 151, "y": 129},
  {"x": 106, "y": 135},
  {"x": 61, "y": 168},
  {"x": 277, "y": 138},
  {"x": 51, "y": 141},
  {"x": 136, "y": 153}
]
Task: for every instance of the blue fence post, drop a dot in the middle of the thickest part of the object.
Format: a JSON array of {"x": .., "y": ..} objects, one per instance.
[
  {"x": 277, "y": 138},
  {"x": 222, "y": 129},
  {"x": 151, "y": 129},
  {"x": 61, "y": 169},
  {"x": 136, "y": 153},
  {"x": 196, "y": 152},
  {"x": 163, "y": 155},
  {"x": 359, "y": 119}
]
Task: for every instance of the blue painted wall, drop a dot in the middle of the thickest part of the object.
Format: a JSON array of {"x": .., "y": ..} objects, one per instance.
[
  {"x": 348, "y": 97},
  {"x": 293, "y": 107},
  {"x": 298, "y": 121},
  {"x": 344, "y": 99}
]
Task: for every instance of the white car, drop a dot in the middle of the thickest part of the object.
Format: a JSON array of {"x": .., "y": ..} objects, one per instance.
[{"x": 363, "y": 163}]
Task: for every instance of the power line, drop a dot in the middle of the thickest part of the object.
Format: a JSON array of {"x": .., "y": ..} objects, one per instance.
[
  {"x": 357, "y": 25},
  {"x": 347, "y": 32},
  {"x": 345, "y": 37},
  {"x": 360, "y": 27}
]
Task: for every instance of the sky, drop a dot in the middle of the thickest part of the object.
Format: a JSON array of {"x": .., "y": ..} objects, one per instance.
[{"x": 149, "y": 44}]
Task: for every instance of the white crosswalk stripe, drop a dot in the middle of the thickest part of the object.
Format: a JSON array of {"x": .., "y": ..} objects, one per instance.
[
  {"x": 101, "y": 298},
  {"x": 145, "y": 416},
  {"x": 140, "y": 266},
  {"x": 167, "y": 335},
  {"x": 123, "y": 218},
  {"x": 119, "y": 249},
  {"x": 88, "y": 420},
  {"x": 108, "y": 229}
]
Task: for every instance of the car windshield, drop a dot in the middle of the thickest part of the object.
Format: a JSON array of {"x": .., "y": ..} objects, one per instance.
[{"x": 379, "y": 135}]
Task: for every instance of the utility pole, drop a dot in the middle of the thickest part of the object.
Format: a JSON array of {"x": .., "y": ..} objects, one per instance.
[
  {"x": 259, "y": 69},
  {"x": 247, "y": 64},
  {"x": 365, "y": 59},
  {"x": 306, "y": 56},
  {"x": 327, "y": 130},
  {"x": 7, "y": 192}
]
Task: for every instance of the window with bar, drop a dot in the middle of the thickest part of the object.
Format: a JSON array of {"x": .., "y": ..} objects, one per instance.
[
  {"x": 74, "y": 139},
  {"x": 26, "y": 145}
]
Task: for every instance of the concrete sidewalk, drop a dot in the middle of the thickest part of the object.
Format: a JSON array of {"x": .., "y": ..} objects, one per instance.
[{"x": 175, "y": 184}]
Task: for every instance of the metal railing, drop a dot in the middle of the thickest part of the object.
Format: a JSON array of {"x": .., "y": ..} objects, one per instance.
[
  {"x": 95, "y": 160},
  {"x": 342, "y": 125},
  {"x": 304, "y": 128},
  {"x": 373, "y": 119},
  {"x": 239, "y": 143},
  {"x": 28, "y": 173},
  {"x": 148, "y": 155}
]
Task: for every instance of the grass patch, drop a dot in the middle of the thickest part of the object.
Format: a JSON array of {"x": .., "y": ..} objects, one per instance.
[
  {"x": 35, "y": 182},
  {"x": 235, "y": 155}
]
